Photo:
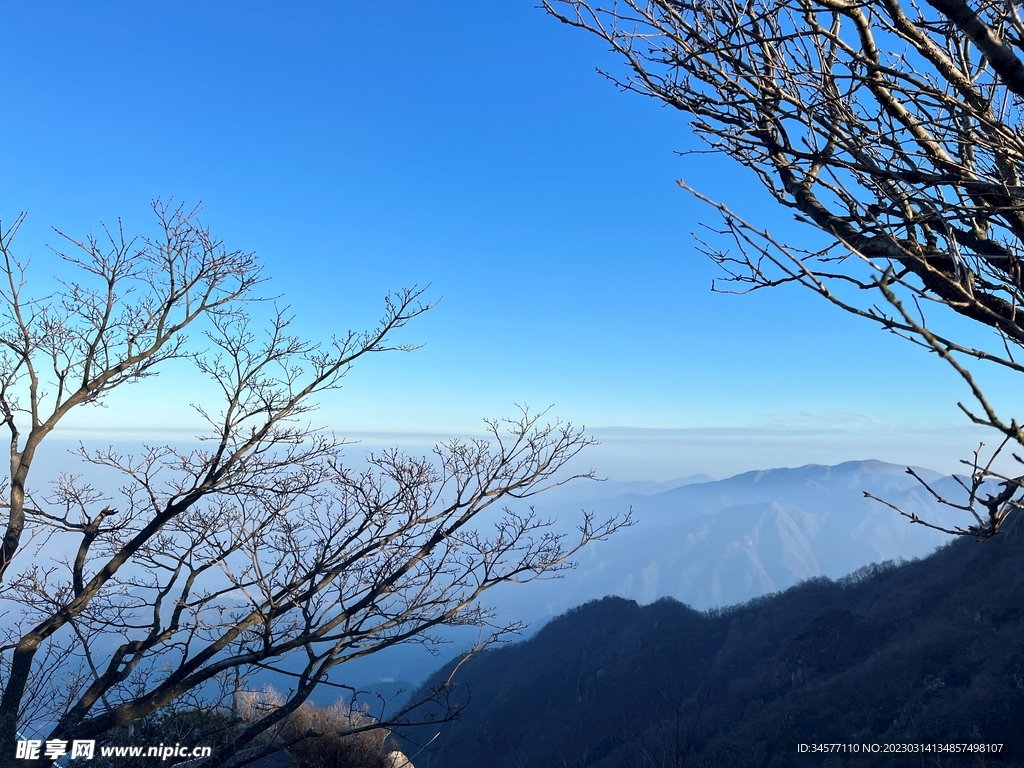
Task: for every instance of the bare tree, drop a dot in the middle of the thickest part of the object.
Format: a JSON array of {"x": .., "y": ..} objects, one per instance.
[
  {"x": 667, "y": 742},
  {"x": 892, "y": 129},
  {"x": 259, "y": 550}
]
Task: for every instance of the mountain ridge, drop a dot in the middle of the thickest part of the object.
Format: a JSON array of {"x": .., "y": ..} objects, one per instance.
[{"x": 704, "y": 544}]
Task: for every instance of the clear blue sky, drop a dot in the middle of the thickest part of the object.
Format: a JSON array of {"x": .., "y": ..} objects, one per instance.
[{"x": 364, "y": 147}]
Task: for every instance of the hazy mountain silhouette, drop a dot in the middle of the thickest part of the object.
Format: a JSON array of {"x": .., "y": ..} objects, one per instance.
[
  {"x": 814, "y": 488},
  {"x": 722, "y": 542}
]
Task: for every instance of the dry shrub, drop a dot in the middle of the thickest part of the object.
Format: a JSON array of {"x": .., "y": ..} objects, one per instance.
[
  {"x": 329, "y": 743},
  {"x": 252, "y": 705}
]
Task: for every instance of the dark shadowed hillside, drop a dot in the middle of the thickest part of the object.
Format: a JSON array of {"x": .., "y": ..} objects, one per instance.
[{"x": 932, "y": 650}]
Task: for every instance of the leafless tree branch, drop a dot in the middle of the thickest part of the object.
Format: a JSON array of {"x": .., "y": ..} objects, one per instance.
[
  {"x": 260, "y": 550},
  {"x": 891, "y": 129}
]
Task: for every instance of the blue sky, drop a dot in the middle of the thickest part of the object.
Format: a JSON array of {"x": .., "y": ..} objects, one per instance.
[{"x": 359, "y": 148}]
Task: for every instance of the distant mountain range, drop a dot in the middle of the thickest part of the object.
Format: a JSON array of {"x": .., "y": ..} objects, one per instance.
[
  {"x": 711, "y": 543},
  {"x": 722, "y": 542}
]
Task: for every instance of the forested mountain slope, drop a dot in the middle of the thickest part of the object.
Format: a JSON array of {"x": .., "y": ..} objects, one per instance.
[{"x": 932, "y": 650}]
